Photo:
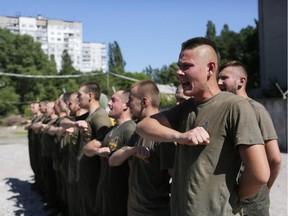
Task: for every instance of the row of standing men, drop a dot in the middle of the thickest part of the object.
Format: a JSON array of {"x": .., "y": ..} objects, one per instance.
[
  {"x": 86, "y": 166},
  {"x": 71, "y": 146}
]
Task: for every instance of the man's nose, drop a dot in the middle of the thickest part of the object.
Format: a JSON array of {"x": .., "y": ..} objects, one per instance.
[{"x": 220, "y": 82}]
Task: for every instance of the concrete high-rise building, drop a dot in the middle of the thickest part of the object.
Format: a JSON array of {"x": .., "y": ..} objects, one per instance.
[
  {"x": 56, "y": 36},
  {"x": 91, "y": 52},
  {"x": 273, "y": 43}
]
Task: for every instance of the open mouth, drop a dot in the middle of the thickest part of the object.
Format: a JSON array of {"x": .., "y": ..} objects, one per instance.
[{"x": 185, "y": 85}]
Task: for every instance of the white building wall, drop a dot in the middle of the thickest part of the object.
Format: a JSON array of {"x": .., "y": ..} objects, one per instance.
[
  {"x": 93, "y": 57},
  {"x": 56, "y": 36},
  {"x": 65, "y": 36}
]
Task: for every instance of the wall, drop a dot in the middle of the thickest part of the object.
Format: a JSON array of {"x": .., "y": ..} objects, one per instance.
[
  {"x": 273, "y": 43},
  {"x": 277, "y": 108}
]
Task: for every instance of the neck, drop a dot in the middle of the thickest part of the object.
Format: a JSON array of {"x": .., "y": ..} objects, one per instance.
[
  {"x": 207, "y": 94},
  {"x": 93, "y": 107},
  {"x": 122, "y": 119},
  {"x": 148, "y": 111},
  {"x": 242, "y": 92}
]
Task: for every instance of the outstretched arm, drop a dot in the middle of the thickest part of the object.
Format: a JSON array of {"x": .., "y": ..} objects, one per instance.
[
  {"x": 67, "y": 123},
  {"x": 121, "y": 155},
  {"x": 256, "y": 172},
  {"x": 157, "y": 128},
  {"x": 92, "y": 148}
]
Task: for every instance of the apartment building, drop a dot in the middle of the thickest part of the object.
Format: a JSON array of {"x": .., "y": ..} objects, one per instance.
[{"x": 56, "y": 36}]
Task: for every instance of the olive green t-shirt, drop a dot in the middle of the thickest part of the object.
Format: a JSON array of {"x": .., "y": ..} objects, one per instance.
[
  {"x": 47, "y": 140},
  {"x": 73, "y": 149},
  {"x": 149, "y": 188},
  {"x": 88, "y": 168},
  {"x": 112, "y": 190},
  {"x": 204, "y": 180},
  {"x": 264, "y": 120}
]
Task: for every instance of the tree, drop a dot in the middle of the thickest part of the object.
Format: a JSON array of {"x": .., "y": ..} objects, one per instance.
[
  {"x": 20, "y": 54},
  {"x": 249, "y": 38},
  {"x": 116, "y": 63},
  {"x": 244, "y": 47},
  {"x": 167, "y": 75},
  {"x": 8, "y": 96},
  {"x": 211, "y": 31},
  {"x": 228, "y": 44},
  {"x": 66, "y": 64}
]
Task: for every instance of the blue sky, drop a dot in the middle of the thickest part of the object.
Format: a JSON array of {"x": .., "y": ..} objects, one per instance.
[{"x": 149, "y": 32}]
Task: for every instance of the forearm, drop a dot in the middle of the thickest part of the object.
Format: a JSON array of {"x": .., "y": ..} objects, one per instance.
[
  {"x": 274, "y": 173},
  {"x": 91, "y": 148},
  {"x": 121, "y": 155},
  {"x": 274, "y": 160},
  {"x": 67, "y": 123},
  {"x": 256, "y": 170},
  {"x": 248, "y": 185},
  {"x": 151, "y": 129},
  {"x": 52, "y": 130}
]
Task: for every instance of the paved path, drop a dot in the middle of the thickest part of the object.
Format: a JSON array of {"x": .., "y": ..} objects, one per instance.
[{"x": 17, "y": 198}]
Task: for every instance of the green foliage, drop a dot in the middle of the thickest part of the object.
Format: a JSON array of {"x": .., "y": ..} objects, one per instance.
[
  {"x": 8, "y": 95},
  {"x": 168, "y": 75},
  {"x": 153, "y": 73},
  {"x": 116, "y": 83},
  {"x": 116, "y": 63},
  {"x": 165, "y": 75},
  {"x": 19, "y": 54},
  {"x": 211, "y": 31},
  {"x": 167, "y": 101},
  {"x": 242, "y": 46},
  {"x": 66, "y": 64}
]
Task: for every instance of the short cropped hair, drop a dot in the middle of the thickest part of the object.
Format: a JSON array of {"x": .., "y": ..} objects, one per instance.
[
  {"x": 92, "y": 87},
  {"x": 234, "y": 64},
  {"x": 199, "y": 41},
  {"x": 147, "y": 88}
]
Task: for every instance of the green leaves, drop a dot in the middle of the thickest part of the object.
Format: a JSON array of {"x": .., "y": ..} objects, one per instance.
[{"x": 242, "y": 46}]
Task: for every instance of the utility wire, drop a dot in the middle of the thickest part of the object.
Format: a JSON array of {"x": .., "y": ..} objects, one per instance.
[
  {"x": 56, "y": 76},
  {"x": 63, "y": 76},
  {"x": 46, "y": 76}
]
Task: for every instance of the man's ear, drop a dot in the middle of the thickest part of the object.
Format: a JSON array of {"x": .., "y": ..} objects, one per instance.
[
  {"x": 90, "y": 96},
  {"x": 211, "y": 68},
  {"x": 125, "y": 106},
  {"x": 145, "y": 101},
  {"x": 242, "y": 81}
]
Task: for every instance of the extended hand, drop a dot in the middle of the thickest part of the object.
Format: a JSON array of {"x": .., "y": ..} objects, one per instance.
[
  {"x": 142, "y": 153},
  {"x": 196, "y": 136}
]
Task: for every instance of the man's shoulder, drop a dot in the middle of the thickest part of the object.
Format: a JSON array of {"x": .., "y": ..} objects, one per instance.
[
  {"x": 99, "y": 113},
  {"x": 255, "y": 104},
  {"x": 129, "y": 123},
  {"x": 228, "y": 97}
]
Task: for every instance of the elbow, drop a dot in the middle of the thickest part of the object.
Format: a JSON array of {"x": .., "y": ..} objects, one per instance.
[
  {"x": 112, "y": 162},
  {"x": 276, "y": 162},
  {"x": 88, "y": 152},
  {"x": 263, "y": 178}
]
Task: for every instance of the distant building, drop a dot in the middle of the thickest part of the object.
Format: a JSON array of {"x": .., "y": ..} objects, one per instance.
[
  {"x": 273, "y": 43},
  {"x": 56, "y": 36},
  {"x": 91, "y": 52},
  {"x": 167, "y": 89}
]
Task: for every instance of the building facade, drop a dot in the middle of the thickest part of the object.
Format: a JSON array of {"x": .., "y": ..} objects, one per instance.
[
  {"x": 56, "y": 36},
  {"x": 273, "y": 43}
]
